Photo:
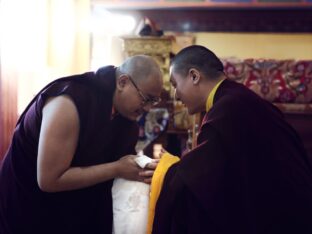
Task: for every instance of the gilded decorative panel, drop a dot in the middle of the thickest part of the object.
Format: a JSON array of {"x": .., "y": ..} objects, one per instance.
[{"x": 157, "y": 47}]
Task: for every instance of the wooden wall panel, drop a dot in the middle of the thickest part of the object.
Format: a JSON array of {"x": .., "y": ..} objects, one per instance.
[
  {"x": 8, "y": 109},
  {"x": 296, "y": 20}
]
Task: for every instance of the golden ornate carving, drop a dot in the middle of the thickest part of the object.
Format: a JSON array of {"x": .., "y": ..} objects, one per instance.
[{"x": 157, "y": 47}]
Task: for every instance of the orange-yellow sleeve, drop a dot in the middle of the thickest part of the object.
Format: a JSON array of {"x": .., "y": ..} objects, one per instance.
[{"x": 166, "y": 161}]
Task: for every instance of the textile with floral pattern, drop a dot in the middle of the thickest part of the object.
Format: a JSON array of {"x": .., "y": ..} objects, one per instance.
[{"x": 278, "y": 81}]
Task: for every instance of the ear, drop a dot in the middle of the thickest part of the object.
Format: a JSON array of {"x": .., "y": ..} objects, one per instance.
[
  {"x": 121, "y": 82},
  {"x": 194, "y": 75}
]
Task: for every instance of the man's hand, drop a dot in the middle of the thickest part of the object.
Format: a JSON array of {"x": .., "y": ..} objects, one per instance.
[
  {"x": 128, "y": 168},
  {"x": 148, "y": 172}
]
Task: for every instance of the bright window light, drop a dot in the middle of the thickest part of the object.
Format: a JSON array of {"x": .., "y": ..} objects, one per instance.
[{"x": 104, "y": 22}]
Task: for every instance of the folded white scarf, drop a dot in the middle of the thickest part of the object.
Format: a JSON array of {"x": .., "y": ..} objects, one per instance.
[{"x": 131, "y": 203}]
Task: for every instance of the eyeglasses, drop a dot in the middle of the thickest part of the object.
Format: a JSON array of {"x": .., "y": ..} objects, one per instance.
[{"x": 145, "y": 100}]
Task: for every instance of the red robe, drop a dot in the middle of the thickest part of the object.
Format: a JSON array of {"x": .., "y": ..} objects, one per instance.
[
  {"x": 249, "y": 173},
  {"x": 24, "y": 208}
]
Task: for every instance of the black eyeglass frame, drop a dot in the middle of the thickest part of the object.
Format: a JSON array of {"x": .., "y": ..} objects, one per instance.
[{"x": 145, "y": 100}]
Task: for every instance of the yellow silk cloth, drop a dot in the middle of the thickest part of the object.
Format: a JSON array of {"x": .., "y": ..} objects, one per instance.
[
  {"x": 166, "y": 161},
  {"x": 209, "y": 102}
]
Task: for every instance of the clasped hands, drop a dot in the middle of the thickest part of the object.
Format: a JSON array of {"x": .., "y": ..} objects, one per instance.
[{"x": 130, "y": 170}]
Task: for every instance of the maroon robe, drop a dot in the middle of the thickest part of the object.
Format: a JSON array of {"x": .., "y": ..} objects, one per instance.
[
  {"x": 249, "y": 173},
  {"x": 24, "y": 208}
]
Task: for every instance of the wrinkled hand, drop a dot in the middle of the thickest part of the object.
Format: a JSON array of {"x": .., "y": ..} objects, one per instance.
[
  {"x": 128, "y": 168},
  {"x": 148, "y": 172}
]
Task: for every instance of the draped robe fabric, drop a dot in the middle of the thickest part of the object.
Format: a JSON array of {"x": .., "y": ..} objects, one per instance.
[
  {"x": 249, "y": 173},
  {"x": 24, "y": 208}
]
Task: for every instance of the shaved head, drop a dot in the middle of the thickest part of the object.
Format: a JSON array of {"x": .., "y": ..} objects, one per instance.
[
  {"x": 140, "y": 68},
  {"x": 200, "y": 58},
  {"x": 139, "y": 84}
]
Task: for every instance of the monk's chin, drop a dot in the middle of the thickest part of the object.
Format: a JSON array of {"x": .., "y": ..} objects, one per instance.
[{"x": 134, "y": 116}]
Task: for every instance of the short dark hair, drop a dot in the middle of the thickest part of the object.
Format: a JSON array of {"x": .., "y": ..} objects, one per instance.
[{"x": 200, "y": 58}]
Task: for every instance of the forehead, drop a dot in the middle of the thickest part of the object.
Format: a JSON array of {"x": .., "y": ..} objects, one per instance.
[
  {"x": 174, "y": 76},
  {"x": 151, "y": 87}
]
